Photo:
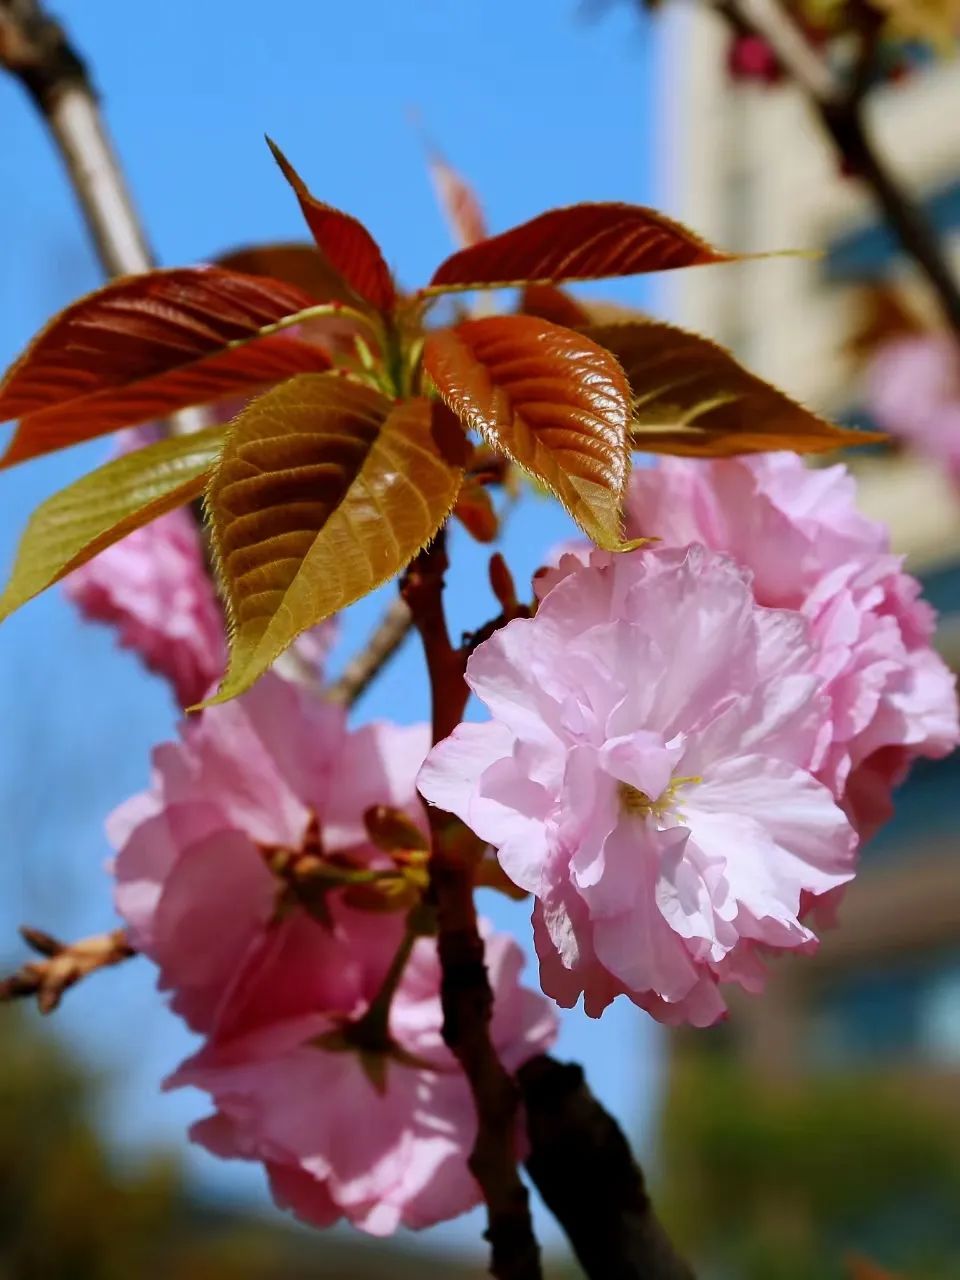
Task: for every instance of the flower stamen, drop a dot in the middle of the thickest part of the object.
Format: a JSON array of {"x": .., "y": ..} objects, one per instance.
[{"x": 637, "y": 804}]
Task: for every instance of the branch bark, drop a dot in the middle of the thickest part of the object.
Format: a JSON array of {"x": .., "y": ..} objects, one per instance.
[
  {"x": 36, "y": 50},
  {"x": 63, "y": 965},
  {"x": 582, "y": 1166},
  {"x": 840, "y": 109},
  {"x": 465, "y": 993},
  {"x": 384, "y": 641}
]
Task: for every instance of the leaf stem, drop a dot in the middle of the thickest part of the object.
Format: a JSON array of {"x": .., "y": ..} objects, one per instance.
[
  {"x": 465, "y": 992},
  {"x": 372, "y": 1030}
]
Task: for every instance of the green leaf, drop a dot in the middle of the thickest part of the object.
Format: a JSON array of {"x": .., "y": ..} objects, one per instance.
[
  {"x": 325, "y": 490},
  {"x": 101, "y": 508},
  {"x": 691, "y": 397}
]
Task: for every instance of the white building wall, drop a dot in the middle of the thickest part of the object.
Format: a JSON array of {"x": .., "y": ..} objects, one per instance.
[{"x": 749, "y": 167}]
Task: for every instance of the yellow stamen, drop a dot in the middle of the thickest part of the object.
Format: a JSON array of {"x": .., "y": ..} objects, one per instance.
[{"x": 638, "y": 804}]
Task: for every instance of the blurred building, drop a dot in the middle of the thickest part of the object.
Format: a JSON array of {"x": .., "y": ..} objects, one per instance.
[{"x": 747, "y": 166}]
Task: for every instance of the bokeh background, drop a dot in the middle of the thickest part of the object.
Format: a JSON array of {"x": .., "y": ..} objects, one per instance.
[{"x": 822, "y": 1119}]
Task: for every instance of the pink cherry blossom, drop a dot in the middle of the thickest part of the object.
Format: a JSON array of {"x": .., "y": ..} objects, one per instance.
[
  {"x": 155, "y": 589},
  {"x": 644, "y": 775},
  {"x": 799, "y": 533},
  {"x": 913, "y": 391},
  {"x": 152, "y": 586},
  {"x": 382, "y": 1140}
]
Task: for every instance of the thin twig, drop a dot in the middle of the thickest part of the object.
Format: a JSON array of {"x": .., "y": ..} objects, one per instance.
[
  {"x": 63, "y": 965},
  {"x": 364, "y": 667},
  {"x": 840, "y": 108},
  {"x": 465, "y": 993},
  {"x": 583, "y": 1167}
]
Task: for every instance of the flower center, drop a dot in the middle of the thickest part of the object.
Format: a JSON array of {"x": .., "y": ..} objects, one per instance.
[{"x": 637, "y": 804}]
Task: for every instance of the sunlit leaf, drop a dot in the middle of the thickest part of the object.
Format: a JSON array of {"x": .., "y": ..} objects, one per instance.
[
  {"x": 552, "y": 400},
  {"x": 581, "y": 242},
  {"x": 101, "y": 508},
  {"x": 304, "y": 266},
  {"x": 346, "y": 242},
  {"x": 325, "y": 490},
  {"x": 459, "y": 202},
  {"x": 691, "y": 397},
  {"x": 145, "y": 346}
]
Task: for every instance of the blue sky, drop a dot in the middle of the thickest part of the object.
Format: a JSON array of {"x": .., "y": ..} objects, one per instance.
[{"x": 539, "y": 105}]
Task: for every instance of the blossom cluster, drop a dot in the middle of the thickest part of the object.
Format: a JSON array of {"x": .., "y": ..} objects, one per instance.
[
  {"x": 376, "y": 1132},
  {"x": 913, "y": 392},
  {"x": 688, "y": 744}
]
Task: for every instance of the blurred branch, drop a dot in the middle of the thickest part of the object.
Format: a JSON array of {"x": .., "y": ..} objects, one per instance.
[
  {"x": 582, "y": 1165},
  {"x": 63, "y": 964},
  {"x": 364, "y": 667},
  {"x": 840, "y": 107},
  {"x": 35, "y": 49},
  {"x": 465, "y": 993}
]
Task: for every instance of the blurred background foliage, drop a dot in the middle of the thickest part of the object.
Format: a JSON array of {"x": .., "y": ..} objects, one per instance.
[
  {"x": 779, "y": 1180},
  {"x": 70, "y": 1210}
]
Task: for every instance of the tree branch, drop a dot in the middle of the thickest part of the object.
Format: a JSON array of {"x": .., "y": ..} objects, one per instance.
[
  {"x": 364, "y": 667},
  {"x": 840, "y": 108},
  {"x": 582, "y": 1166},
  {"x": 465, "y": 993},
  {"x": 35, "y": 49},
  {"x": 63, "y": 965}
]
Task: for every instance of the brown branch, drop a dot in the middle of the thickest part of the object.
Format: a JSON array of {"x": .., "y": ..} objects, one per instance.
[
  {"x": 582, "y": 1166},
  {"x": 840, "y": 108},
  {"x": 63, "y": 964},
  {"x": 35, "y": 49},
  {"x": 364, "y": 667},
  {"x": 465, "y": 993}
]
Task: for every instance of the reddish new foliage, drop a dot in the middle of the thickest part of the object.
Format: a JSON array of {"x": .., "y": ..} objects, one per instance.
[
  {"x": 345, "y": 241},
  {"x": 148, "y": 345},
  {"x": 582, "y": 242}
]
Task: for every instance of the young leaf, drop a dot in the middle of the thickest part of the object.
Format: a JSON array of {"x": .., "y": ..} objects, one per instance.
[
  {"x": 346, "y": 242},
  {"x": 325, "y": 490},
  {"x": 145, "y": 346},
  {"x": 459, "y": 202},
  {"x": 101, "y": 508},
  {"x": 552, "y": 303},
  {"x": 691, "y": 397},
  {"x": 581, "y": 242},
  {"x": 302, "y": 265},
  {"x": 551, "y": 400},
  {"x": 475, "y": 511}
]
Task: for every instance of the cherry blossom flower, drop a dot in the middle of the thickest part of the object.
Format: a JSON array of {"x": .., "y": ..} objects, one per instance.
[
  {"x": 644, "y": 775},
  {"x": 343, "y": 1129},
  {"x": 155, "y": 589},
  {"x": 799, "y": 533},
  {"x": 913, "y": 391}
]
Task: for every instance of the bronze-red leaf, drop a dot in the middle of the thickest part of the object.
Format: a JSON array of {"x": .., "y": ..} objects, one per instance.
[
  {"x": 346, "y": 242},
  {"x": 145, "y": 346},
  {"x": 581, "y": 242},
  {"x": 550, "y": 399}
]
